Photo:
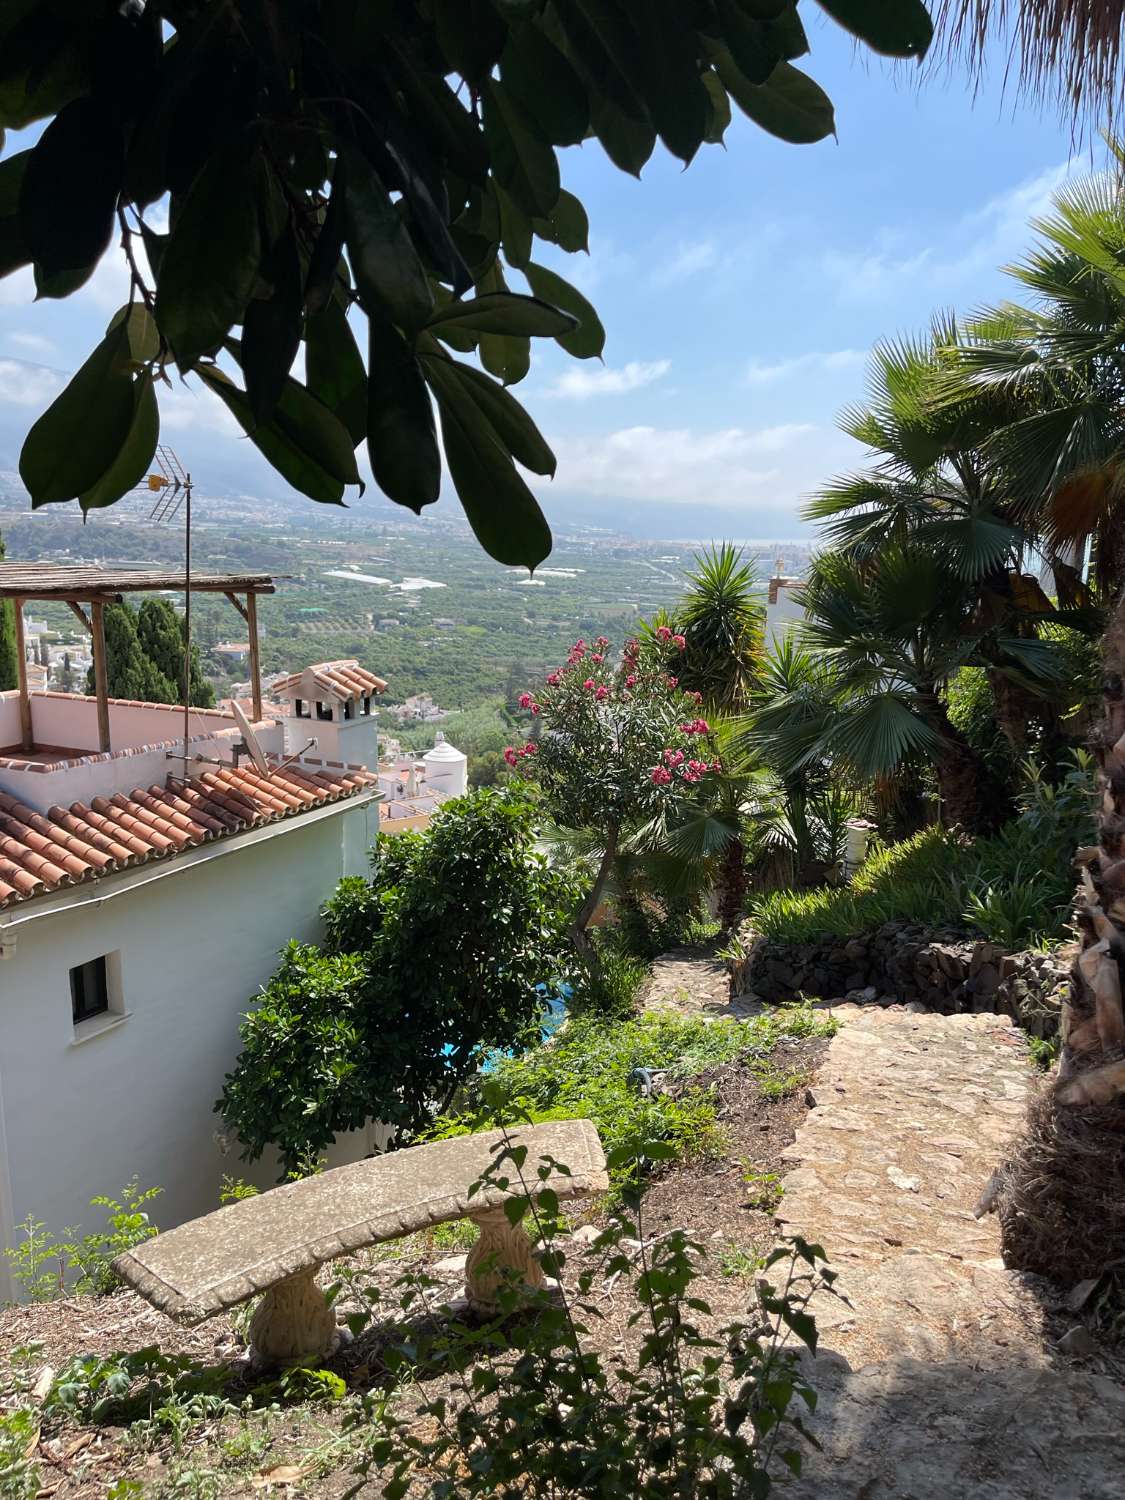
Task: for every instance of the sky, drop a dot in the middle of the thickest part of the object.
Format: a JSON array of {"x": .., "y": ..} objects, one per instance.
[{"x": 740, "y": 297}]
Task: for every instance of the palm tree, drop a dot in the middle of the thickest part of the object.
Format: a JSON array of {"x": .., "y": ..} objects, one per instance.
[
  {"x": 931, "y": 486},
  {"x": 722, "y": 619},
  {"x": 786, "y": 728}
]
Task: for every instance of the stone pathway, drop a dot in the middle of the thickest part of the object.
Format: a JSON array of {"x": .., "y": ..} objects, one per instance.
[
  {"x": 695, "y": 983},
  {"x": 937, "y": 1380}
]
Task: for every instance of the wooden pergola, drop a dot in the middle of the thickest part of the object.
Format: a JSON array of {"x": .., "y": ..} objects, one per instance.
[{"x": 92, "y": 588}]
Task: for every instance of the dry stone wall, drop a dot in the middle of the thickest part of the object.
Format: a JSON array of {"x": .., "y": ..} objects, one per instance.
[{"x": 949, "y": 971}]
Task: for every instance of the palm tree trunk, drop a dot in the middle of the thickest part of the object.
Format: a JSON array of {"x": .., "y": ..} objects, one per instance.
[
  {"x": 1092, "y": 1064},
  {"x": 731, "y": 883},
  {"x": 962, "y": 775}
]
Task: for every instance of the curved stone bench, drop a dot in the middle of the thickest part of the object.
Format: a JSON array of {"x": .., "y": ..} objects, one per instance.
[{"x": 274, "y": 1243}]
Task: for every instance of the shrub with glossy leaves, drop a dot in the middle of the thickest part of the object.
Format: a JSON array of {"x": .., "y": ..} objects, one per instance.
[{"x": 425, "y": 967}]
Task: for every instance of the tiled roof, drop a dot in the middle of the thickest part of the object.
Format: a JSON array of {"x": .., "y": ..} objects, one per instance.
[
  {"x": 331, "y": 679},
  {"x": 65, "y": 846}
]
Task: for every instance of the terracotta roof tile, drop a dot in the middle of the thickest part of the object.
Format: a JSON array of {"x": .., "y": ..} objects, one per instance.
[
  {"x": 332, "y": 679},
  {"x": 44, "y": 852}
]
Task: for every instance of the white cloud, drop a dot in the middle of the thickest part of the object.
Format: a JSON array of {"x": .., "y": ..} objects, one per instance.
[
  {"x": 687, "y": 260},
  {"x": 193, "y": 408},
  {"x": 758, "y": 372},
  {"x": 581, "y": 383},
  {"x": 18, "y": 289},
  {"x": 679, "y": 464},
  {"x": 22, "y": 384},
  {"x": 979, "y": 241},
  {"x": 33, "y": 341}
]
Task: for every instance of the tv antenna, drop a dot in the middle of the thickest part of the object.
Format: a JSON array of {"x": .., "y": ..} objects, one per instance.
[{"x": 169, "y": 482}]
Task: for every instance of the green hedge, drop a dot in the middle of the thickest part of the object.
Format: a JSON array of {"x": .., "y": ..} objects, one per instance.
[{"x": 1016, "y": 887}]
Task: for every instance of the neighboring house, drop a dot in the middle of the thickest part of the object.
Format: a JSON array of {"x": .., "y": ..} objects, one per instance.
[
  {"x": 783, "y": 613},
  {"x": 142, "y": 905},
  {"x": 413, "y": 789},
  {"x": 331, "y": 706}
]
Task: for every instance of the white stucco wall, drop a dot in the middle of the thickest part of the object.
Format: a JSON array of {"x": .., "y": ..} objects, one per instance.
[
  {"x": 352, "y": 741},
  {"x": 195, "y": 944}
]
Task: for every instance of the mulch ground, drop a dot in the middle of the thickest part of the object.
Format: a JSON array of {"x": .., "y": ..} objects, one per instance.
[{"x": 725, "y": 1203}]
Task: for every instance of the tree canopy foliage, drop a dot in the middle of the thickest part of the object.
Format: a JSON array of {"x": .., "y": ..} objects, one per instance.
[
  {"x": 144, "y": 653},
  {"x": 8, "y": 662},
  {"x": 395, "y": 159}
]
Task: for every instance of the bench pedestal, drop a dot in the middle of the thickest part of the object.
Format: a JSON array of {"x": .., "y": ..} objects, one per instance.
[
  {"x": 501, "y": 1251},
  {"x": 293, "y": 1321}
]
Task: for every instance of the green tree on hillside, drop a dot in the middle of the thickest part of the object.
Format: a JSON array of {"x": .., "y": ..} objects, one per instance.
[
  {"x": 160, "y": 631},
  {"x": 9, "y": 672}
]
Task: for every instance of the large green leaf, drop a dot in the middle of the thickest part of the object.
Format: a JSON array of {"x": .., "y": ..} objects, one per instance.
[
  {"x": 748, "y": 41},
  {"x": 789, "y": 105},
  {"x": 523, "y": 160},
  {"x": 508, "y": 357},
  {"x": 470, "y": 34},
  {"x": 46, "y": 57},
  {"x": 720, "y": 107},
  {"x": 401, "y": 439},
  {"x": 586, "y": 339},
  {"x": 271, "y": 328},
  {"x": 61, "y": 284},
  {"x": 510, "y": 422},
  {"x": 135, "y": 456},
  {"x": 628, "y": 142},
  {"x": 304, "y": 442},
  {"x": 901, "y": 29},
  {"x": 70, "y": 185},
  {"x": 567, "y": 225},
  {"x": 509, "y": 313},
  {"x": 672, "y": 86},
  {"x": 325, "y": 264},
  {"x": 13, "y": 249},
  {"x": 210, "y": 263},
  {"x": 390, "y": 277},
  {"x": 515, "y": 230},
  {"x": 541, "y": 79},
  {"x": 78, "y": 438},
  {"x": 502, "y": 511},
  {"x": 334, "y": 368}
]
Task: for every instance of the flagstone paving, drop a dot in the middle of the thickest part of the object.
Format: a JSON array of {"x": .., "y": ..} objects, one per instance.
[{"x": 938, "y": 1376}]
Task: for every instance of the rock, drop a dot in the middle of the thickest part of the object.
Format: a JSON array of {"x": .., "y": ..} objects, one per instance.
[
  {"x": 586, "y": 1234},
  {"x": 917, "y": 1008},
  {"x": 855, "y": 948},
  {"x": 1079, "y": 1343},
  {"x": 901, "y": 1180},
  {"x": 452, "y": 1265}
]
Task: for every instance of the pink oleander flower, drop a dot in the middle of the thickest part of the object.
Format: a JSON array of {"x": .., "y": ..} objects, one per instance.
[
  {"x": 632, "y": 646},
  {"x": 596, "y": 656},
  {"x": 661, "y": 776},
  {"x": 716, "y": 765},
  {"x": 535, "y": 708},
  {"x": 679, "y": 642},
  {"x": 602, "y": 642},
  {"x": 663, "y": 633},
  {"x": 696, "y": 698},
  {"x": 692, "y": 776},
  {"x": 589, "y": 684},
  {"x": 631, "y": 680},
  {"x": 510, "y": 755},
  {"x": 531, "y": 748},
  {"x": 672, "y": 681},
  {"x": 553, "y": 680},
  {"x": 525, "y": 700},
  {"x": 673, "y": 757},
  {"x": 698, "y": 766},
  {"x": 602, "y": 692}
]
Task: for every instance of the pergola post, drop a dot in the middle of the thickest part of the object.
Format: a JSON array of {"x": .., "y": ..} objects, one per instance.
[
  {"x": 255, "y": 660},
  {"x": 21, "y": 678},
  {"x": 101, "y": 681}
]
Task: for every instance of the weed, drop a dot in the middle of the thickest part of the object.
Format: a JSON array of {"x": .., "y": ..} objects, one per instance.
[
  {"x": 738, "y": 1263},
  {"x": 1044, "y": 1051},
  {"x": 763, "y": 1189},
  {"x": 234, "y": 1189},
  {"x": 45, "y": 1266},
  {"x": 19, "y": 1436}
]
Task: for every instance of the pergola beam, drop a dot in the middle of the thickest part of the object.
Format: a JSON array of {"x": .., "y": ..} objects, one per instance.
[
  {"x": 101, "y": 678},
  {"x": 255, "y": 657},
  {"x": 81, "y": 614}
]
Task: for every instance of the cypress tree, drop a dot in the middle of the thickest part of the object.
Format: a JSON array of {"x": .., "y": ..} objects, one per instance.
[{"x": 9, "y": 673}]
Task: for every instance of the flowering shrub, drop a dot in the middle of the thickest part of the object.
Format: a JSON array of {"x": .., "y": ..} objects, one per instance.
[{"x": 619, "y": 738}]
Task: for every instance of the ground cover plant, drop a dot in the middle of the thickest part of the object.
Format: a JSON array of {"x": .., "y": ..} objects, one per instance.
[
  {"x": 1014, "y": 887},
  {"x": 634, "y": 1078}
]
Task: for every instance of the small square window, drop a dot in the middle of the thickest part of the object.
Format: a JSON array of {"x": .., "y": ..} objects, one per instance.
[{"x": 89, "y": 989}]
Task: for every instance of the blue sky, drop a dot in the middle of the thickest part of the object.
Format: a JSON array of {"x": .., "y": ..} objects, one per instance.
[{"x": 740, "y": 298}]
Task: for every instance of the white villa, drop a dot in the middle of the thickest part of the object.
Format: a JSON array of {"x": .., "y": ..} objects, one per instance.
[{"x": 148, "y": 879}]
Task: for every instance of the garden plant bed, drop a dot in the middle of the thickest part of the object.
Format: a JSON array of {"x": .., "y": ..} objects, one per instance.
[{"x": 726, "y": 1202}]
